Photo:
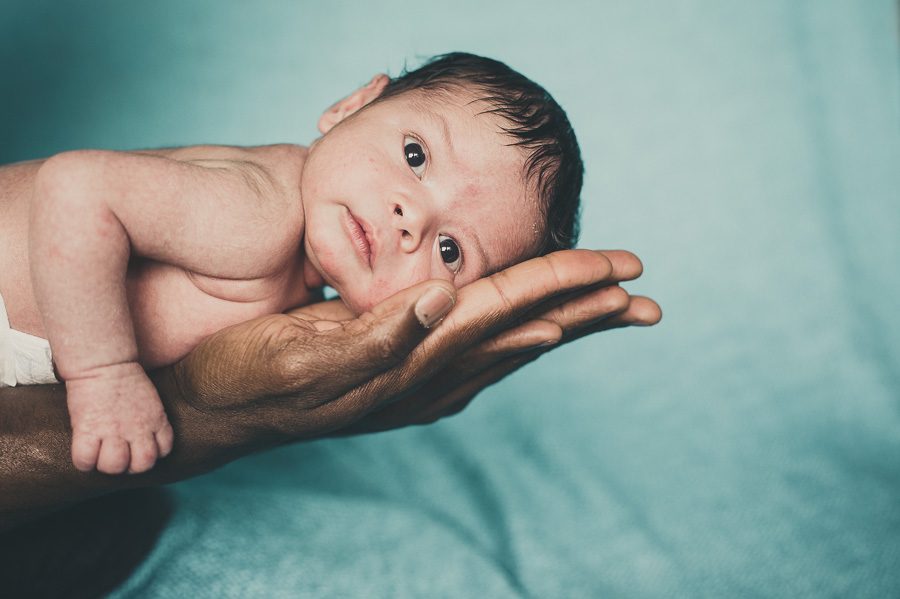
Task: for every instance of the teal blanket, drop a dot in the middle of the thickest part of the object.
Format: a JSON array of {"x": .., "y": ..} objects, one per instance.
[{"x": 748, "y": 446}]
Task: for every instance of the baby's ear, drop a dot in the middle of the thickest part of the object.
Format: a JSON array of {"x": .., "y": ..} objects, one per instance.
[{"x": 352, "y": 103}]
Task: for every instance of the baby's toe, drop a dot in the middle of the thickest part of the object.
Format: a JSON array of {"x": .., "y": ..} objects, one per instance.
[
  {"x": 143, "y": 454},
  {"x": 85, "y": 449},
  {"x": 114, "y": 456}
]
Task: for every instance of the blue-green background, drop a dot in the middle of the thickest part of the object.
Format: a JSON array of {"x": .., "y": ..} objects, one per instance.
[{"x": 748, "y": 152}]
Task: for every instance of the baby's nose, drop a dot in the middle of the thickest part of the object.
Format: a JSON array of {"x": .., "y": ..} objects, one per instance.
[{"x": 410, "y": 221}]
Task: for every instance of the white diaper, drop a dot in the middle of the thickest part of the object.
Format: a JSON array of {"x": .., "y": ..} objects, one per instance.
[{"x": 24, "y": 359}]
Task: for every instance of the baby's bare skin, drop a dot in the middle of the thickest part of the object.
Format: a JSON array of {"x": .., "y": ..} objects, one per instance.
[
  {"x": 135, "y": 257},
  {"x": 179, "y": 286},
  {"x": 185, "y": 292}
]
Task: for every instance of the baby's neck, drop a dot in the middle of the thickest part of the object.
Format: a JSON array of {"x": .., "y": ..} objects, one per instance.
[{"x": 311, "y": 276}]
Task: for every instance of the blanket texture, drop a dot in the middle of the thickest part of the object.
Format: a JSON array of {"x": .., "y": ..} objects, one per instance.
[{"x": 748, "y": 446}]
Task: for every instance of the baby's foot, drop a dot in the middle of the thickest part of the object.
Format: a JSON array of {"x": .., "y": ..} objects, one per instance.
[{"x": 118, "y": 421}]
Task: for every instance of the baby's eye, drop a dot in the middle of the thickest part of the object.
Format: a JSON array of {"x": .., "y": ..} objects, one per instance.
[
  {"x": 450, "y": 253},
  {"x": 415, "y": 155}
]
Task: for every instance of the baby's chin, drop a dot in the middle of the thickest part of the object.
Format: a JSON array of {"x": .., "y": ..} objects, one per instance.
[
  {"x": 363, "y": 300},
  {"x": 357, "y": 302}
]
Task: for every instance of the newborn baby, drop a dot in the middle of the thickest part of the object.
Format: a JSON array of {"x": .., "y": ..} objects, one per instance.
[{"x": 125, "y": 261}]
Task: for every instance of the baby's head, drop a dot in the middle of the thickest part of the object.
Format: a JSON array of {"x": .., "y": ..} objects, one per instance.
[{"x": 455, "y": 170}]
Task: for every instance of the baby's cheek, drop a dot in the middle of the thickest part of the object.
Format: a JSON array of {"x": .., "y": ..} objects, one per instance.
[
  {"x": 363, "y": 297},
  {"x": 383, "y": 289}
]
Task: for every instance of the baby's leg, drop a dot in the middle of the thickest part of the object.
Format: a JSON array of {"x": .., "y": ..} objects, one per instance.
[{"x": 118, "y": 420}]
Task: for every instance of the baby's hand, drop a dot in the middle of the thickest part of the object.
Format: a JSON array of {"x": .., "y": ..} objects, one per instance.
[{"x": 118, "y": 420}]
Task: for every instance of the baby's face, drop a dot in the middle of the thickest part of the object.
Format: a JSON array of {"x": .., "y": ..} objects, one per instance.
[{"x": 407, "y": 190}]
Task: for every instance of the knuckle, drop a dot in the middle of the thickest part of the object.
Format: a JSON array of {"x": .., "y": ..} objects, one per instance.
[
  {"x": 551, "y": 262},
  {"x": 499, "y": 281},
  {"x": 617, "y": 299},
  {"x": 605, "y": 268}
]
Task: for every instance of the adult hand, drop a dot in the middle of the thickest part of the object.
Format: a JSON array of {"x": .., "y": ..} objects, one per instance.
[
  {"x": 550, "y": 322},
  {"x": 317, "y": 370}
]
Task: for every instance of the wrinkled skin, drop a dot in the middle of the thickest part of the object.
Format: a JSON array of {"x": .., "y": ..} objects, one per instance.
[
  {"x": 319, "y": 371},
  {"x": 386, "y": 388}
]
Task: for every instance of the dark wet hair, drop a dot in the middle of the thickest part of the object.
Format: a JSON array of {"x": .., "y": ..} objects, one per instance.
[{"x": 534, "y": 121}]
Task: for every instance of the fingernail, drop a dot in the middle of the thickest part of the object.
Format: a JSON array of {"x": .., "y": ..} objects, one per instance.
[{"x": 433, "y": 306}]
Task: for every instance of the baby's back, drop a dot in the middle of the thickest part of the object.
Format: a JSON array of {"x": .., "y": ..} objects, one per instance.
[{"x": 16, "y": 186}]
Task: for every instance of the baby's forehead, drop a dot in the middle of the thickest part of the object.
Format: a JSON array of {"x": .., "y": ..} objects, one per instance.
[
  {"x": 444, "y": 103},
  {"x": 444, "y": 95},
  {"x": 445, "y": 106}
]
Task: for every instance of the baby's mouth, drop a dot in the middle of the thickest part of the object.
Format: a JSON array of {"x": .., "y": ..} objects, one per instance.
[{"x": 360, "y": 236}]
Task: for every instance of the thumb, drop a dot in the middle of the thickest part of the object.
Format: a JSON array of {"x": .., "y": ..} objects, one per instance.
[
  {"x": 372, "y": 344},
  {"x": 393, "y": 328},
  {"x": 434, "y": 304}
]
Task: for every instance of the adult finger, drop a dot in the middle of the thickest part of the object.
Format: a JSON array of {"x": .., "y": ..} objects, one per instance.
[
  {"x": 494, "y": 364},
  {"x": 585, "y": 312},
  {"x": 573, "y": 311},
  {"x": 451, "y": 390},
  {"x": 602, "y": 310},
  {"x": 337, "y": 360},
  {"x": 491, "y": 304},
  {"x": 641, "y": 312},
  {"x": 548, "y": 328},
  {"x": 625, "y": 267},
  {"x": 286, "y": 355},
  {"x": 483, "y": 308}
]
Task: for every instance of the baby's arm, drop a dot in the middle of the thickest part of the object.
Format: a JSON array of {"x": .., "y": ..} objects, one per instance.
[{"x": 90, "y": 210}]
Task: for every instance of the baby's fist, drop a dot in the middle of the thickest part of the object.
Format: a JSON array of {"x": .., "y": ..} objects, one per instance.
[{"x": 118, "y": 420}]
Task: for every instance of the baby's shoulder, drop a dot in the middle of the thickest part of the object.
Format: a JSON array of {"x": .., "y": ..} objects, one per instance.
[
  {"x": 278, "y": 160},
  {"x": 273, "y": 170}
]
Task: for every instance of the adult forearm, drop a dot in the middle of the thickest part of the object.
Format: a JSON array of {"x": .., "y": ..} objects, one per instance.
[
  {"x": 36, "y": 471},
  {"x": 312, "y": 372},
  {"x": 234, "y": 395}
]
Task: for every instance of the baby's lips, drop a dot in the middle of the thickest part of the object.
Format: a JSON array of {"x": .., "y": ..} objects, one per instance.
[{"x": 371, "y": 238}]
